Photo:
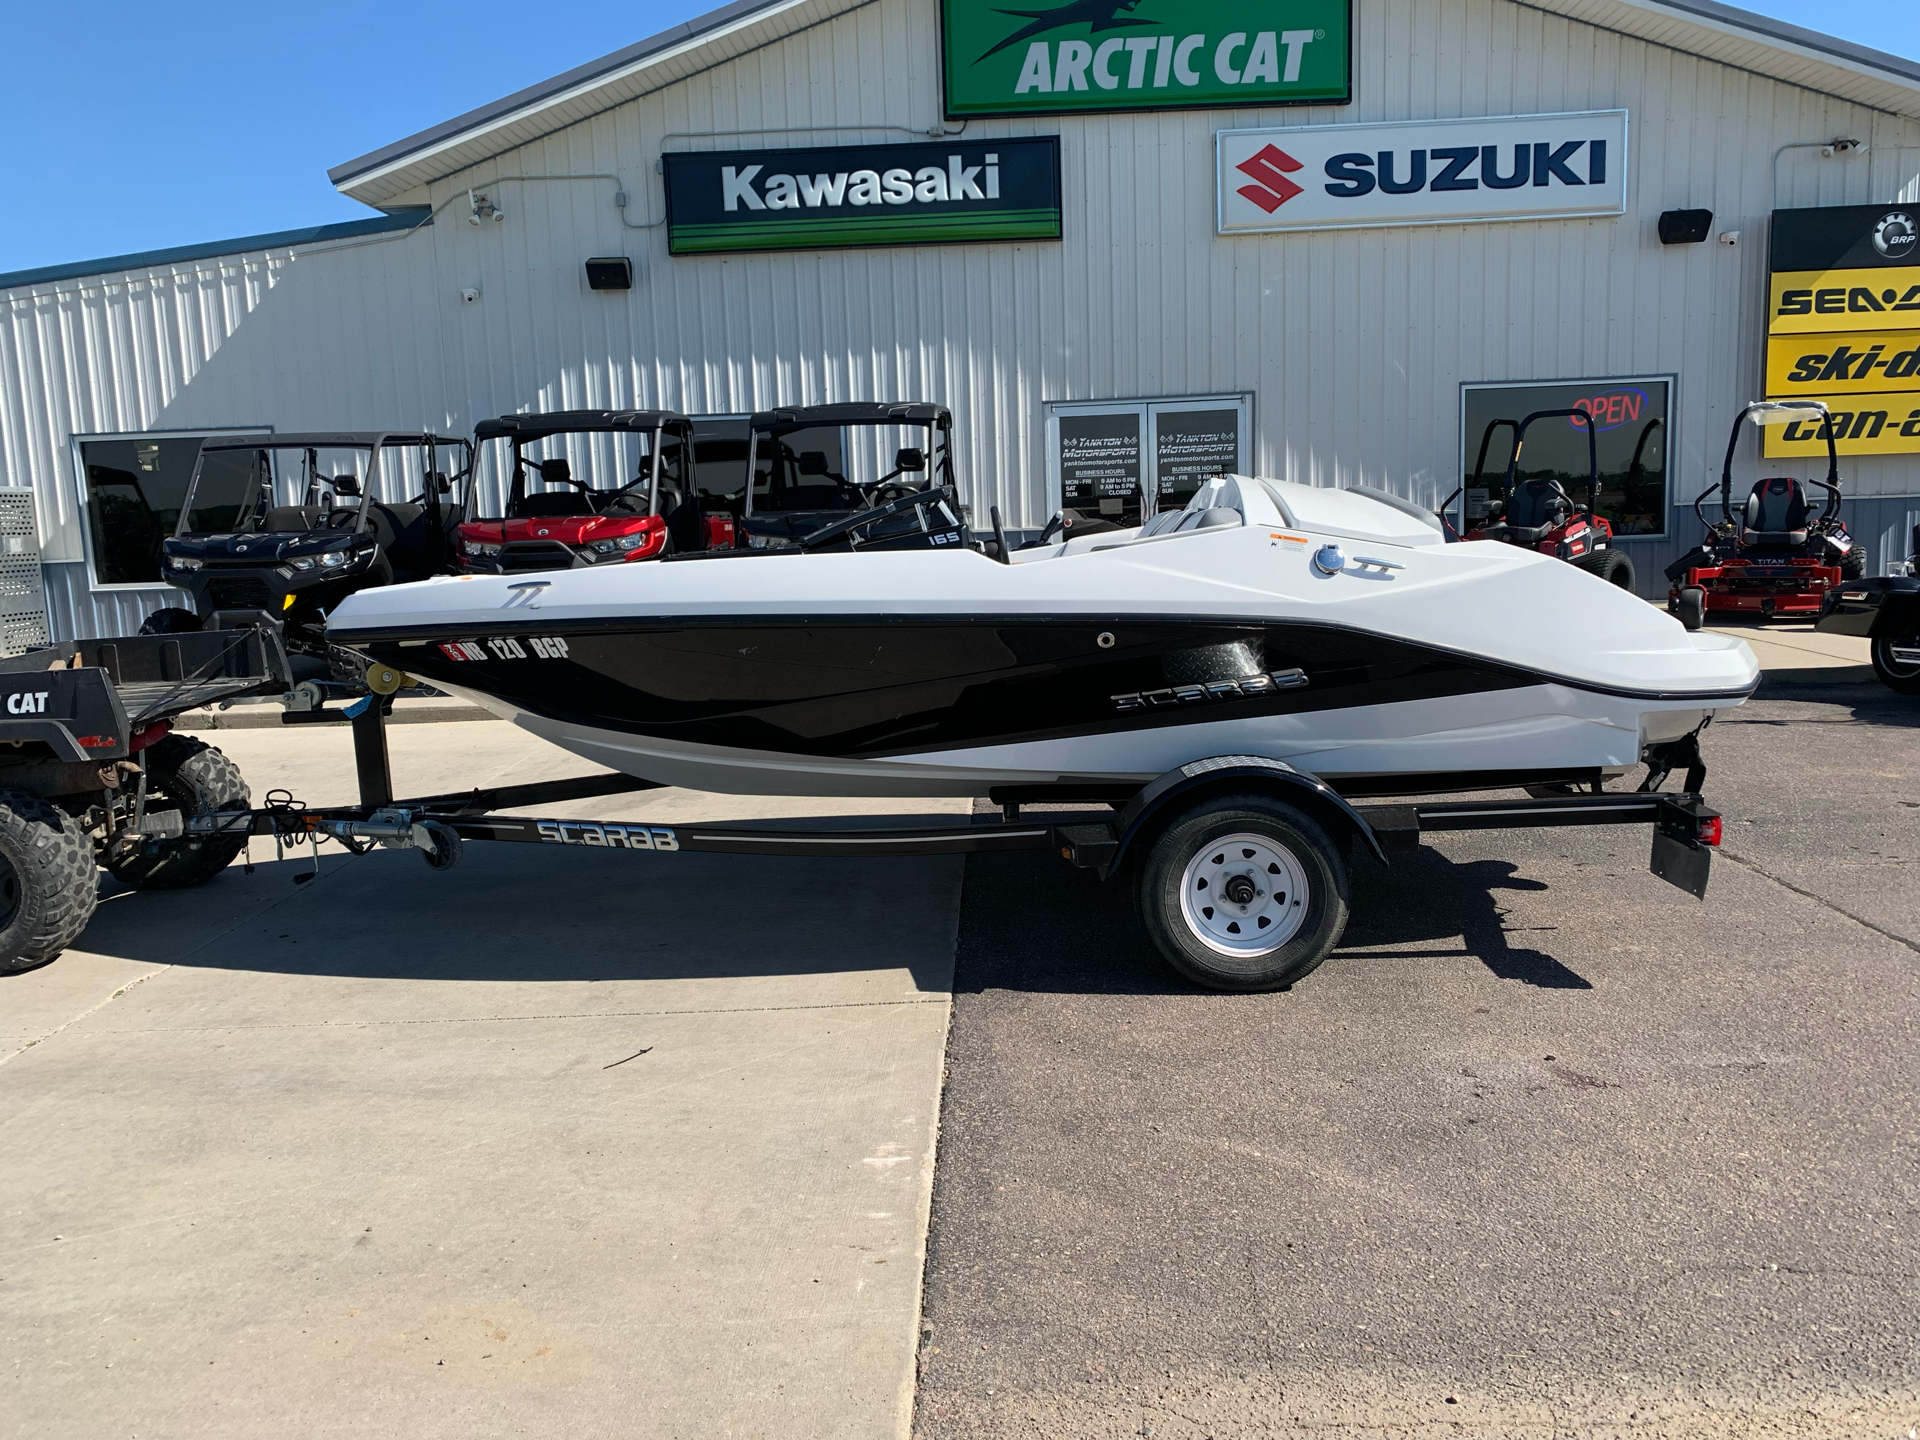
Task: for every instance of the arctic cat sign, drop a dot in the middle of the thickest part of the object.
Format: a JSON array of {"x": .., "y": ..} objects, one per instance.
[
  {"x": 1422, "y": 172},
  {"x": 947, "y": 193},
  {"x": 1085, "y": 55}
]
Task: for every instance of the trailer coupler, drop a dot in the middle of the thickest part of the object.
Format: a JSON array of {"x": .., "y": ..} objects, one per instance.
[{"x": 388, "y": 828}]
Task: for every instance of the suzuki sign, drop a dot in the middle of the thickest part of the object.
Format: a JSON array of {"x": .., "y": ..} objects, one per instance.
[{"x": 1422, "y": 172}]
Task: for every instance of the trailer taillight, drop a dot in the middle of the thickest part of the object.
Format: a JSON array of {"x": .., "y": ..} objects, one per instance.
[{"x": 1709, "y": 832}]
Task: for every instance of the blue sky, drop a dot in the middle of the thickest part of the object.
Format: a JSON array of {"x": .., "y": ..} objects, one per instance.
[{"x": 136, "y": 128}]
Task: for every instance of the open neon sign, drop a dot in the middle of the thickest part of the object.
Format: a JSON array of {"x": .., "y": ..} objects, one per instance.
[{"x": 1611, "y": 409}]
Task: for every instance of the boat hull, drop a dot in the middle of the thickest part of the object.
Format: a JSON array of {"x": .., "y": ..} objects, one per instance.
[{"x": 926, "y": 706}]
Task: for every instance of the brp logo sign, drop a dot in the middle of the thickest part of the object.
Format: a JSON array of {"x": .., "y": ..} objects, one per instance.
[
  {"x": 1895, "y": 236},
  {"x": 1268, "y": 168}
]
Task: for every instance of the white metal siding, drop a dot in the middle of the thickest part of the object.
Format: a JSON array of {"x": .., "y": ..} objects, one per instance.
[{"x": 1353, "y": 342}]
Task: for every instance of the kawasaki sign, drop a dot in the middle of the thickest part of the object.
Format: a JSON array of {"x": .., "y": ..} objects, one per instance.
[
  {"x": 1090, "y": 55},
  {"x": 946, "y": 193},
  {"x": 1422, "y": 172}
]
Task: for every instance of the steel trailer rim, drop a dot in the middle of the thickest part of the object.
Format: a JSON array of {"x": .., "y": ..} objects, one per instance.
[{"x": 1244, "y": 895}]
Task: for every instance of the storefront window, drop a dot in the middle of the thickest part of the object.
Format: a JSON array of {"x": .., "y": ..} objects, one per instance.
[
  {"x": 134, "y": 487},
  {"x": 1123, "y": 461},
  {"x": 1631, "y": 424}
]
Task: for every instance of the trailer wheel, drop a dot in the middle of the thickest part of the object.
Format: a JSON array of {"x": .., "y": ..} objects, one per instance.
[
  {"x": 48, "y": 881},
  {"x": 1243, "y": 893},
  {"x": 171, "y": 620},
  {"x": 192, "y": 777},
  {"x": 1691, "y": 607},
  {"x": 1901, "y": 676},
  {"x": 1610, "y": 565}
]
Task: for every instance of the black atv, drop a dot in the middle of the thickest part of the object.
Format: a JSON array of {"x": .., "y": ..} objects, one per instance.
[
  {"x": 241, "y": 549},
  {"x": 800, "y": 496}
]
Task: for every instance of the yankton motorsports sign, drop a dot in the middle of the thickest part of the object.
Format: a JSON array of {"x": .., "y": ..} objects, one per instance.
[
  {"x": 1092, "y": 55},
  {"x": 1422, "y": 172},
  {"x": 946, "y": 193}
]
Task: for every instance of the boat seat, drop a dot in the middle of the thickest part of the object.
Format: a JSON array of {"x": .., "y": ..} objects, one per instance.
[
  {"x": 1776, "y": 513},
  {"x": 1535, "y": 507}
]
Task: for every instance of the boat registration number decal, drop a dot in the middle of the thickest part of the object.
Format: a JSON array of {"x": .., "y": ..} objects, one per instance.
[
  {"x": 507, "y": 647},
  {"x": 608, "y": 835}
]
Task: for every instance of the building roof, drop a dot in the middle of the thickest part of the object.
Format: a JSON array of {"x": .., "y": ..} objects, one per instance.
[
  {"x": 1714, "y": 31},
  {"x": 405, "y": 218}
]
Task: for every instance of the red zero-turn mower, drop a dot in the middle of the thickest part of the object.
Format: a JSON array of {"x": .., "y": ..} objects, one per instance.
[
  {"x": 1779, "y": 556},
  {"x": 1539, "y": 514}
]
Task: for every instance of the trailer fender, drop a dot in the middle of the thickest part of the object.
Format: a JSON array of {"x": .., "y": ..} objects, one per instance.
[{"x": 1238, "y": 772}]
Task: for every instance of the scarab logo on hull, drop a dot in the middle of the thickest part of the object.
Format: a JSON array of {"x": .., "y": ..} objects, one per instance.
[{"x": 1247, "y": 688}]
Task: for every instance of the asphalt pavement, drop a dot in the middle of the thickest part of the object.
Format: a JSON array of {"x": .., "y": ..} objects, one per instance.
[{"x": 1547, "y": 1148}]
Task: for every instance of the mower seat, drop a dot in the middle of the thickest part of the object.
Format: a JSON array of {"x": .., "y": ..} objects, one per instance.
[
  {"x": 1776, "y": 513},
  {"x": 1534, "y": 508}
]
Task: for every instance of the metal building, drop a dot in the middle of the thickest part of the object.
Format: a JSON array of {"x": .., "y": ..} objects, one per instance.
[{"x": 1204, "y": 306}]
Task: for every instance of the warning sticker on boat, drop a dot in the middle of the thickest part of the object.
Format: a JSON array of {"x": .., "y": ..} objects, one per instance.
[{"x": 1280, "y": 540}]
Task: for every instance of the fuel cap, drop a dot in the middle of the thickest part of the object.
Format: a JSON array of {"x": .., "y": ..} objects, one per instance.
[{"x": 1328, "y": 560}]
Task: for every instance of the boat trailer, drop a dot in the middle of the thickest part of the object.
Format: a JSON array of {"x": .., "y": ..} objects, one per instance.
[{"x": 1684, "y": 828}]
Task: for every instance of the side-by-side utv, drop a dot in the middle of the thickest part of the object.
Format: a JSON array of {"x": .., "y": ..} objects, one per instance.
[
  {"x": 814, "y": 472},
  {"x": 551, "y": 519},
  {"x": 1778, "y": 557},
  {"x": 237, "y": 547}
]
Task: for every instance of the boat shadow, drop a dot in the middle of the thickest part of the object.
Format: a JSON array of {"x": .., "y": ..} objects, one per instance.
[{"x": 1026, "y": 926}]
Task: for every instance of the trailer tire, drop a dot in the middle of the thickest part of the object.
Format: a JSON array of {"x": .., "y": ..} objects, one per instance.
[
  {"x": 1691, "y": 608},
  {"x": 49, "y": 883},
  {"x": 171, "y": 620},
  {"x": 195, "y": 779},
  {"x": 1900, "y": 678},
  {"x": 1291, "y": 883},
  {"x": 1610, "y": 565}
]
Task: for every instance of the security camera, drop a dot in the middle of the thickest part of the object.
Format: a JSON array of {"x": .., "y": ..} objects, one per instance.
[
  {"x": 1729, "y": 237},
  {"x": 470, "y": 296},
  {"x": 1843, "y": 146}
]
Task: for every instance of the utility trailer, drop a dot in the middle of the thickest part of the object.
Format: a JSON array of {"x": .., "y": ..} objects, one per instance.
[
  {"x": 91, "y": 775},
  {"x": 1237, "y": 864}
]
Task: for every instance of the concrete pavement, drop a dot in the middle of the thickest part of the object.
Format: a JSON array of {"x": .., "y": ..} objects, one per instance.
[
  {"x": 559, "y": 1143},
  {"x": 1793, "y": 652}
]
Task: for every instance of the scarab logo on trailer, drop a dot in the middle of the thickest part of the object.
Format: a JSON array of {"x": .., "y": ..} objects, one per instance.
[
  {"x": 1895, "y": 236},
  {"x": 607, "y": 835}
]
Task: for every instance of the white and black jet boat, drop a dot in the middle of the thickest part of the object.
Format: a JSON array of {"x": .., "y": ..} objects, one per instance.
[{"x": 1333, "y": 630}]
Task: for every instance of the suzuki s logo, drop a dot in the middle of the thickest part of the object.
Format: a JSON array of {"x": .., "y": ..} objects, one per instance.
[
  {"x": 1268, "y": 168},
  {"x": 1895, "y": 236},
  {"x": 28, "y": 702}
]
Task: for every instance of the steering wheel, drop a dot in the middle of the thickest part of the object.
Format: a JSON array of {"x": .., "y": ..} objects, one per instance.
[
  {"x": 869, "y": 517},
  {"x": 334, "y": 517},
  {"x": 885, "y": 492}
]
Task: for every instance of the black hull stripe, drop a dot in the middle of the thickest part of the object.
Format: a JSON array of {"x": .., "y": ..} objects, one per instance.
[{"x": 520, "y": 623}]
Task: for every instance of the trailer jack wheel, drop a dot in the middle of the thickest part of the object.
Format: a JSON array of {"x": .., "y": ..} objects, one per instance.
[{"x": 446, "y": 850}]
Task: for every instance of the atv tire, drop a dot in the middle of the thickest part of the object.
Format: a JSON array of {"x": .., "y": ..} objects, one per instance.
[
  {"x": 1691, "y": 608},
  {"x": 171, "y": 620},
  {"x": 1610, "y": 565},
  {"x": 1853, "y": 564},
  {"x": 1902, "y": 679},
  {"x": 192, "y": 777},
  {"x": 48, "y": 881}
]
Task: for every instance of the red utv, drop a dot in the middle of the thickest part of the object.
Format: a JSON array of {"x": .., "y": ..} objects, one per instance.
[
  {"x": 1779, "y": 556},
  {"x": 1538, "y": 514},
  {"x": 552, "y": 520}
]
